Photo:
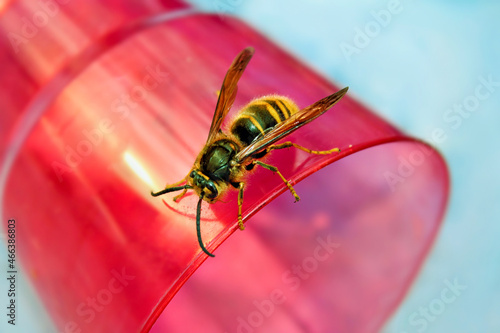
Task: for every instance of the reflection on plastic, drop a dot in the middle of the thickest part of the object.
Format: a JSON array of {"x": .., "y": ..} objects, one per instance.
[{"x": 114, "y": 108}]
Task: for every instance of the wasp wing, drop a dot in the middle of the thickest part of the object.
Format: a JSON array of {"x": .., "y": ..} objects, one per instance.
[
  {"x": 228, "y": 90},
  {"x": 289, "y": 125}
]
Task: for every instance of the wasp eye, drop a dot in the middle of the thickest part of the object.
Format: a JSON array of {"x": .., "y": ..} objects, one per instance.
[
  {"x": 211, "y": 187},
  {"x": 192, "y": 174}
]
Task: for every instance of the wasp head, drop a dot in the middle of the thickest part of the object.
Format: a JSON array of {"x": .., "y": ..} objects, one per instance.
[{"x": 202, "y": 184}]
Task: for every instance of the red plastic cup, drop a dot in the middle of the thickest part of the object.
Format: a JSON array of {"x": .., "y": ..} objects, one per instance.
[{"x": 104, "y": 103}]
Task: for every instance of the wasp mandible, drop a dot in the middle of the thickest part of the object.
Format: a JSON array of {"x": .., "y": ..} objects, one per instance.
[{"x": 227, "y": 158}]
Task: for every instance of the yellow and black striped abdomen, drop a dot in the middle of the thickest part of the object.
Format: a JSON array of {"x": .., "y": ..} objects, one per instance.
[{"x": 261, "y": 115}]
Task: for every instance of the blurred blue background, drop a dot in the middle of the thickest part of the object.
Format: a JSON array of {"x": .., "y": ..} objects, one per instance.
[{"x": 423, "y": 65}]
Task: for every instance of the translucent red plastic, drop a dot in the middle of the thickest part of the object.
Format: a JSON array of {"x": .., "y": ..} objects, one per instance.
[{"x": 105, "y": 103}]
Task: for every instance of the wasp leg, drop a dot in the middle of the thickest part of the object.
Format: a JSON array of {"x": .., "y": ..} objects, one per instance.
[
  {"x": 275, "y": 169},
  {"x": 178, "y": 196},
  {"x": 291, "y": 144},
  {"x": 240, "y": 205}
]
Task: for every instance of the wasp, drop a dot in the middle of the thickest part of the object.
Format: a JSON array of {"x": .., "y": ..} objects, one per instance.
[{"x": 227, "y": 158}]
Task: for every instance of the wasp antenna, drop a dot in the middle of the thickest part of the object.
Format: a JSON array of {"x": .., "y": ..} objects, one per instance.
[
  {"x": 198, "y": 229},
  {"x": 171, "y": 189}
]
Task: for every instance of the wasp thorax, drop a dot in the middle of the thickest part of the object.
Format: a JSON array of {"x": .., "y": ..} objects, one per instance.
[{"x": 205, "y": 184}]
